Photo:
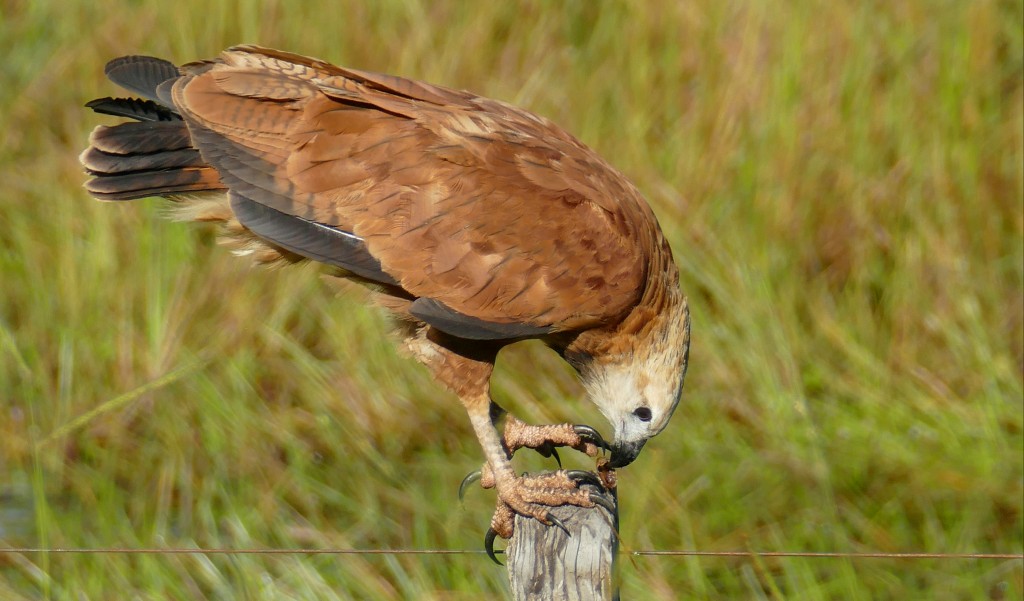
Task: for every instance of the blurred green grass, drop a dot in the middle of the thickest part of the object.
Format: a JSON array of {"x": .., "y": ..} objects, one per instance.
[{"x": 842, "y": 184}]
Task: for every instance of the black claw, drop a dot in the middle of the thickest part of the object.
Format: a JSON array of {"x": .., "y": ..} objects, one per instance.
[
  {"x": 592, "y": 436},
  {"x": 603, "y": 501},
  {"x": 557, "y": 522},
  {"x": 489, "y": 545},
  {"x": 470, "y": 478},
  {"x": 546, "y": 450},
  {"x": 558, "y": 460},
  {"x": 580, "y": 477}
]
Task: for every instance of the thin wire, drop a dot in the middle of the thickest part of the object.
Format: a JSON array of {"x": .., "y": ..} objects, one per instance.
[
  {"x": 197, "y": 551},
  {"x": 672, "y": 553},
  {"x": 826, "y": 554}
]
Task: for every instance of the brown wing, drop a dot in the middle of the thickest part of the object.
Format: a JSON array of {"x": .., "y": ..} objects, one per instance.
[{"x": 491, "y": 216}]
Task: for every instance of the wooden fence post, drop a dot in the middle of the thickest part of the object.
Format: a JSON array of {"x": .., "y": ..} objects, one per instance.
[{"x": 546, "y": 565}]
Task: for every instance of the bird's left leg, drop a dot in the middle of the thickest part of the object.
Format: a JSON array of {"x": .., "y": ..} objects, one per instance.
[{"x": 545, "y": 439}]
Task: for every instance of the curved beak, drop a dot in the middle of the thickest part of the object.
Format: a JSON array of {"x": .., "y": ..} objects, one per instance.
[{"x": 624, "y": 453}]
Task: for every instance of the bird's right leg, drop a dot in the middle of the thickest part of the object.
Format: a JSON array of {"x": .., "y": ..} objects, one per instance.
[
  {"x": 525, "y": 495},
  {"x": 546, "y": 439},
  {"x": 467, "y": 373}
]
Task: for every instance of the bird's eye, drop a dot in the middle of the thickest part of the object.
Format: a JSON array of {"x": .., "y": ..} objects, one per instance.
[{"x": 643, "y": 413}]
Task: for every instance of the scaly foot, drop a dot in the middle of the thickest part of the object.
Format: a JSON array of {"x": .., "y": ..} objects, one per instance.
[
  {"x": 531, "y": 496},
  {"x": 545, "y": 439}
]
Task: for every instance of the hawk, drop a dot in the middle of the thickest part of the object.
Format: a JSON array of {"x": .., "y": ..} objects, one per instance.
[{"x": 476, "y": 223}]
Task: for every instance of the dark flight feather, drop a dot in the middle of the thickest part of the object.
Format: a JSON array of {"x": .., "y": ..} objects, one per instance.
[
  {"x": 309, "y": 239},
  {"x": 450, "y": 321}
]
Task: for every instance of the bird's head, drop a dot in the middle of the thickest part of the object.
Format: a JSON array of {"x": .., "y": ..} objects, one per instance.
[{"x": 638, "y": 383}]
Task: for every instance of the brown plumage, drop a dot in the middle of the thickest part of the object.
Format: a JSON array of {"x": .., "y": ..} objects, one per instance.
[{"x": 477, "y": 223}]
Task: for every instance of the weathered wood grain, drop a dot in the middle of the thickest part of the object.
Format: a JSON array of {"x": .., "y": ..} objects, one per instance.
[{"x": 545, "y": 564}]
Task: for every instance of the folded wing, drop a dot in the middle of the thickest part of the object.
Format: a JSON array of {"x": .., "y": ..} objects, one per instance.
[{"x": 500, "y": 223}]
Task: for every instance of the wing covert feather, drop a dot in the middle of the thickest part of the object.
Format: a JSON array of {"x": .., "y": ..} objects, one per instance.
[{"x": 479, "y": 207}]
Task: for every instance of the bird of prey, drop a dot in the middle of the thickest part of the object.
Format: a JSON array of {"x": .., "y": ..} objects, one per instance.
[{"x": 476, "y": 223}]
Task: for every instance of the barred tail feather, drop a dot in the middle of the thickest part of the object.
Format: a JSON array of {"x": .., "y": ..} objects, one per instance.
[
  {"x": 140, "y": 159},
  {"x": 152, "y": 155}
]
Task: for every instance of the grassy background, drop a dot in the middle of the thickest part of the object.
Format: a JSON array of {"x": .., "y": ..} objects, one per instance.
[{"x": 842, "y": 183}]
